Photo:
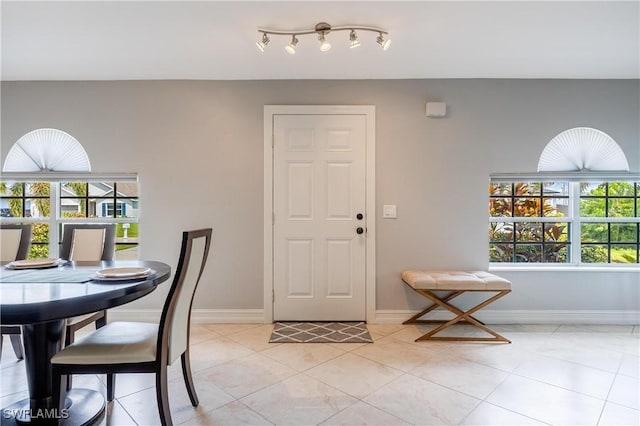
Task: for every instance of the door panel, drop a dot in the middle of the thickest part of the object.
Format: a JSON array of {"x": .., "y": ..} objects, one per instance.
[
  {"x": 300, "y": 268},
  {"x": 300, "y": 190},
  {"x": 339, "y": 202},
  {"x": 339, "y": 265},
  {"x": 319, "y": 185}
]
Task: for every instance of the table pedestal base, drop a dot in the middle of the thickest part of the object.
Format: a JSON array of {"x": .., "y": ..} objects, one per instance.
[{"x": 83, "y": 407}]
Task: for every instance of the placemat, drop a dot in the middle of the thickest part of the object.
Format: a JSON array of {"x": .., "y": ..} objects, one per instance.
[{"x": 52, "y": 275}]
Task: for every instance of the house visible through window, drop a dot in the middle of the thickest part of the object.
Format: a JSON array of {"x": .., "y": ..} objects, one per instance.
[
  {"x": 564, "y": 222},
  {"x": 48, "y": 205}
]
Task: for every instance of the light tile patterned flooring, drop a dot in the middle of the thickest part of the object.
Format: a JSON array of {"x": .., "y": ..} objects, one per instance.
[{"x": 560, "y": 375}]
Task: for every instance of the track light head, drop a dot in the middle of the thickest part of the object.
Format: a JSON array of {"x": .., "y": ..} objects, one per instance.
[
  {"x": 353, "y": 39},
  {"x": 382, "y": 42},
  {"x": 325, "y": 46},
  {"x": 291, "y": 47},
  {"x": 263, "y": 43}
]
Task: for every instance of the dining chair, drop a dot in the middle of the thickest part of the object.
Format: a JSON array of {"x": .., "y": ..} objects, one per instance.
[
  {"x": 136, "y": 347},
  {"x": 87, "y": 242},
  {"x": 14, "y": 245}
]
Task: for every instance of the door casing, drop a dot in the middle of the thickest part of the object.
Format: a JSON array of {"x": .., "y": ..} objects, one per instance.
[{"x": 369, "y": 112}]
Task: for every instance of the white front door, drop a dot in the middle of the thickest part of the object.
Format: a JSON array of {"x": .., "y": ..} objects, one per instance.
[{"x": 319, "y": 226}]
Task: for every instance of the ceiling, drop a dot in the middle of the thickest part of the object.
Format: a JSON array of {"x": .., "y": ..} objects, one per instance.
[{"x": 214, "y": 40}]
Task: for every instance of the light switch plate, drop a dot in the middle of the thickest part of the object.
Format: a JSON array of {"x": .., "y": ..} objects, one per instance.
[{"x": 389, "y": 211}]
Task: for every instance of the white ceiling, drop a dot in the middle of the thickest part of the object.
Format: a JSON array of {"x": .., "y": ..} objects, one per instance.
[{"x": 212, "y": 40}]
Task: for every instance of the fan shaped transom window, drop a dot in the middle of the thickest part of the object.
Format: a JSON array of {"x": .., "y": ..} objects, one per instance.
[
  {"x": 47, "y": 150},
  {"x": 582, "y": 149}
]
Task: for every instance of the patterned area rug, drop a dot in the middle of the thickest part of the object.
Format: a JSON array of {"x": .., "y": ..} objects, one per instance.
[{"x": 320, "y": 332}]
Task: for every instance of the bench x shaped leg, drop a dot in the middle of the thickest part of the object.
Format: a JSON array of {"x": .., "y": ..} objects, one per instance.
[{"x": 460, "y": 316}]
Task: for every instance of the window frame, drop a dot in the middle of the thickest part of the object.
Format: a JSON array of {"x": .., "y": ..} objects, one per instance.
[
  {"x": 574, "y": 220},
  {"x": 536, "y": 219},
  {"x": 55, "y": 219}
]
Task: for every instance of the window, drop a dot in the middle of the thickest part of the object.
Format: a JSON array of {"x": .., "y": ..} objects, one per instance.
[
  {"x": 564, "y": 222},
  {"x": 29, "y": 200},
  {"x": 609, "y": 215},
  {"x": 108, "y": 210},
  {"x": 47, "y": 205}
]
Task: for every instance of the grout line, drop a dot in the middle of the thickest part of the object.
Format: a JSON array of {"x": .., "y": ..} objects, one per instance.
[
  {"x": 115, "y": 401},
  {"x": 561, "y": 387}
]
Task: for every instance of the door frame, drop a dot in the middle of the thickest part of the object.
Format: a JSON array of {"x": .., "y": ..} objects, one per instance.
[{"x": 369, "y": 111}]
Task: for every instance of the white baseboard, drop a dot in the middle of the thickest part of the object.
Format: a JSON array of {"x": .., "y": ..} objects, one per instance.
[
  {"x": 198, "y": 316},
  {"x": 523, "y": 317},
  {"x": 256, "y": 316}
]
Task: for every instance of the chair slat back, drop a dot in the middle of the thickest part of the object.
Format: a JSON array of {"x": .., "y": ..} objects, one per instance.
[
  {"x": 14, "y": 242},
  {"x": 175, "y": 321},
  {"x": 88, "y": 242}
]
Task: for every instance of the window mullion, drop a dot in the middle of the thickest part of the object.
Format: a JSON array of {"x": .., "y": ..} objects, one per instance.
[
  {"x": 54, "y": 220},
  {"x": 575, "y": 229}
]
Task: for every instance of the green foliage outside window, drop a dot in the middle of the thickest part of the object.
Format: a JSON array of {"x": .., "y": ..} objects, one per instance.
[
  {"x": 40, "y": 192},
  {"x": 526, "y": 241},
  {"x": 609, "y": 200},
  {"x": 604, "y": 241},
  {"x": 39, "y": 234}
]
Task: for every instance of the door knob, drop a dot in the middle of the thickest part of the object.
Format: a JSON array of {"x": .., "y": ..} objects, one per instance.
[
  {"x": 359, "y": 230},
  {"x": 359, "y": 216}
]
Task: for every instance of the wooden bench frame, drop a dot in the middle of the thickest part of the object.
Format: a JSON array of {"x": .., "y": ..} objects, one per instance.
[
  {"x": 460, "y": 315},
  {"x": 453, "y": 284}
]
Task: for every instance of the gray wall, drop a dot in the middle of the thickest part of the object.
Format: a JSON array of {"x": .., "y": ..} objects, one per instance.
[{"x": 198, "y": 145}]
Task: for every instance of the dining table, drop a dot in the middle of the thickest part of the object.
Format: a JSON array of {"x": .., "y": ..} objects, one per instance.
[{"x": 40, "y": 301}]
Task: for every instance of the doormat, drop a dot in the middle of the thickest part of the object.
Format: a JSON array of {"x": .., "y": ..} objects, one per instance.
[{"x": 320, "y": 332}]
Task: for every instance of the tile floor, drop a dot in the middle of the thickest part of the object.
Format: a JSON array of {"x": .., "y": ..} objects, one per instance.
[{"x": 560, "y": 375}]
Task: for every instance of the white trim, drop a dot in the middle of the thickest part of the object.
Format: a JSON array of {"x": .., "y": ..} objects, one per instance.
[
  {"x": 269, "y": 112},
  {"x": 523, "y": 317},
  {"x": 256, "y": 316},
  {"x": 68, "y": 176},
  {"x": 369, "y": 112},
  {"x": 198, "y": 316},
  {"x": 570, "y": 267},
  {"x": 575, "y": 228},
  {"x": 577, "y": 176},
  {"x": 54, "y": 212},
  {"x": 530, "y": 219}
]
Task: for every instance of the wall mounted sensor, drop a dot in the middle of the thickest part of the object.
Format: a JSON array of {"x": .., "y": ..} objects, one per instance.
[{"x": 436, "y": 109}]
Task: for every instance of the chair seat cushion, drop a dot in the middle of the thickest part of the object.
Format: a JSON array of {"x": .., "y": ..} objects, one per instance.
[
  {"x": 115, "y": 343},
  {"x": 454, "y": 280}
]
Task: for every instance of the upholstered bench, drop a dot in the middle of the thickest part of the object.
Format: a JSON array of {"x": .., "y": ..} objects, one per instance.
[{"x": 452, "y": 284}]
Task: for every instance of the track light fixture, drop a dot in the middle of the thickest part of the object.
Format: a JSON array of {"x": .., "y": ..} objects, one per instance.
[
  {"x": 263, "y": 43},
  {"x": 325, "y": 46},
  {"x": 322, "y": 29},
  {"x": 291, "y": 47},
  {"x": 382, "y": 42},
  {"x": 353, "y": 39}
]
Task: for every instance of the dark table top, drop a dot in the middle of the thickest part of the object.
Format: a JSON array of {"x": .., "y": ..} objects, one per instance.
[{"x": 39, "y": 300}]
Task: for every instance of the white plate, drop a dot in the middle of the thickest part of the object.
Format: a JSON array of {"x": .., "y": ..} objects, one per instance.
[
  {"x": 122, "y": 273},
  {"x": 34, "y": 263}
]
